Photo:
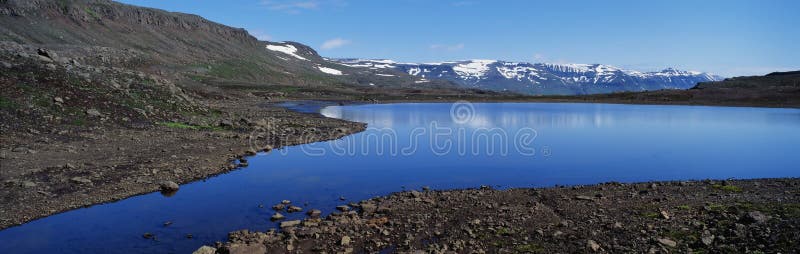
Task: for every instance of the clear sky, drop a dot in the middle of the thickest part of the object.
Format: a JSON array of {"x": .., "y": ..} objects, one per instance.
[{"x": 725, "y": 37}]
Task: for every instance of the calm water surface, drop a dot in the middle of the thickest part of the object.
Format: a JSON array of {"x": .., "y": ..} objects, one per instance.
[{"x": 406, "y": 147}]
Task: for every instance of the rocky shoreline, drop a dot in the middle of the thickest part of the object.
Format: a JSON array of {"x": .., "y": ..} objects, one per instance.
[
  {"x": 731, "y": 216},
  {"x": 67, "y": 169}
]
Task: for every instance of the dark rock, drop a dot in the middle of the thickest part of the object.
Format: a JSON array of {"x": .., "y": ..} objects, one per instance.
[
  {"x": 169, "y": 186},
  {"x": 754, "y": 217},
  {"x": 314, "y": 213},
  {"x": 293, "y": 209},
  {"x": 80, "y": 180}
]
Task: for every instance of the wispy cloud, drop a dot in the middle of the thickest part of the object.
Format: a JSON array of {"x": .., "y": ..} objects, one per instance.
[
  {"x": 298, "y": 6},
  {"x": 334, "y": 43},
  {"x": 539, "y": 58},
  {"x": 260, "y": 35},
  {"x": 453, "y": 47}
]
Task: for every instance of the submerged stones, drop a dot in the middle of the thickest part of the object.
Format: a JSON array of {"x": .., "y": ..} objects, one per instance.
[
  {"x": 314, "y": 213},
  {"x": 277, "y": 216},
  {"x": 293, "y": 209}
]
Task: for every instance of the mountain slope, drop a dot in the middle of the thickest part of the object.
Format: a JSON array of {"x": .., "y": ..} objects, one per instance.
[
  {"x": 541, "y": 78},
  {"x": 107, "y": 33}
]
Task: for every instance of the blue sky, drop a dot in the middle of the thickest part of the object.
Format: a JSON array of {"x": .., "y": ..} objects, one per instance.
[{"x": 726, "y": 37}]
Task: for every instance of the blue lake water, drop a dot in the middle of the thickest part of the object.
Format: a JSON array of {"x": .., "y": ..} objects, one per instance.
[{"x": 443, "y": 146}]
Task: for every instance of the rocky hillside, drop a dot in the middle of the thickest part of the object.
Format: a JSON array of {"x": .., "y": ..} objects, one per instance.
[
  {"x": 103, "y": 32},
  {"x": 540, "y": 78}
]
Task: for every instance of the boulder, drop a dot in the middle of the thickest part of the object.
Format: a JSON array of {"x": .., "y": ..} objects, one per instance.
[
  {"x": 93, "y": 112},
  {"x": 169, "y": 186},
  {"x": 205, "y": 250},
  {"x": 667, "y": 242},
  {"x": 277, "y": 216},
  {"x": 592, "y": 245},
  {"x": 754, "y": 217},
  {"x": 292, "y": 209},
  {"x": 314, "y": 213},
  {"x": 290, "y": 223}
]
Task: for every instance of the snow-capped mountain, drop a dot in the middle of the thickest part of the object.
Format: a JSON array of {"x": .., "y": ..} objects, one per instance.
[{"x": 539, "y": 78}]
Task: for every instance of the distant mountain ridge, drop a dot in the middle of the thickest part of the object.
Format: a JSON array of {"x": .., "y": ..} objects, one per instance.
[{"x": 539, "y": 78}]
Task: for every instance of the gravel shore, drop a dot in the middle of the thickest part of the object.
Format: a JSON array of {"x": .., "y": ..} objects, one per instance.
[{"x": 733, "y": 216}]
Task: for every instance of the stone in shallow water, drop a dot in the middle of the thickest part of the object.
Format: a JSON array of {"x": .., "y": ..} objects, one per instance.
[
  {"x": 169, "y": 186},
  {"x": 205, "y": 250},
  {"x": 290, "y": 223}
]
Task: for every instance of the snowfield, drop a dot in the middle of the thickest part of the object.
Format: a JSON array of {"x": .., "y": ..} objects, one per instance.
[
  {"x": 286, "y": 49},
  {"x": 329, "y": 70}
]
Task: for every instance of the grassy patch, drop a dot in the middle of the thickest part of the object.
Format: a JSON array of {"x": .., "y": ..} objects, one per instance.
[
  {"x": 652, "y": 215},
  {"x": 683, "y": 207},
  {"x": 684, "y": 236},
  {"x": 91, "y": 13},
  {"x": 528, "y": 248},
  {"x": 731, "y": 188},
  {"x": 7, "y": 104},
  {"x": 190, "y": 127},
  {"x": 504, "y": 231}
]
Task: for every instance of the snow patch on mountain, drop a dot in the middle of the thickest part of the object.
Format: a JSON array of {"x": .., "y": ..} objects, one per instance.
[
  {"x": 286, "y": 49},
  {"x": 542, "y": 78},
  {"x": 329, "y": 70},
  {"x": 473, "y": 69}
]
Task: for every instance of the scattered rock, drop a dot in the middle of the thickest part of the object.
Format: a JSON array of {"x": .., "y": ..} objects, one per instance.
[
  {"x": 664, "y": 215},
  {"x": 28, "y": 184},
  {"x": 592, "y": 245},
  {"x": 582, "y": 197},
  {"x": 754, "y": 217},
  {"x": 205, "y": 250},
  {"x": 343, "y": 208},
  {"x": 314, "y": 213},
  {"x": 707, "y": 239},
  {"x": 667, "y": 242},
  {"x": 345, "y": 240},
  {"x": 277, "y": 216},
  {"x": 368, "y": 208},
  {"x": 58, "y": 100},
  {"x": 225, "y": 123},
  {"x": 279, "y": 207},
  {"x": 286, "y": 202},
  {"x": 293, "y": 209},
  {"x": 80, "y": 180},
  {"x": 290, "y": 223},
  {"x": 93, "y": 112}
]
